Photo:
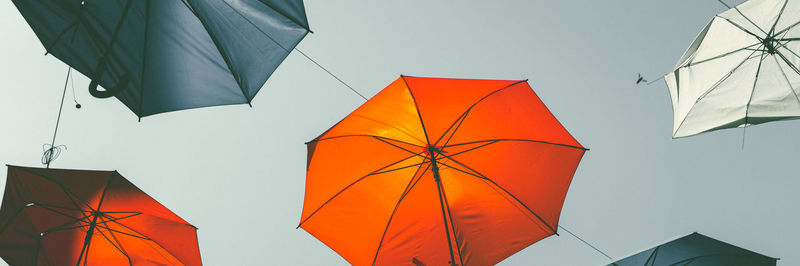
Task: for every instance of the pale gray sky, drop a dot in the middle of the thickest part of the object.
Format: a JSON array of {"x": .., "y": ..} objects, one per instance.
[{"x": 238, "y": 173}]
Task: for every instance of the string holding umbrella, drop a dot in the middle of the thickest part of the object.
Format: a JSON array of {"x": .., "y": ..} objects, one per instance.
[
  {"x": 425, "y": 156},
  {"x": 137, "y": 52}
]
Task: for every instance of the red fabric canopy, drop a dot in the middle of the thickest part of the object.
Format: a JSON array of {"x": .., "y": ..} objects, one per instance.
[
  {"x": 78, "y": 217},
  {"x": 435, "y": 171}
]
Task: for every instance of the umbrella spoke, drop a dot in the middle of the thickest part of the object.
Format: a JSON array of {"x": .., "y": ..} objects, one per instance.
[
  {"x": 789, "y": 83},
  {"x": 419, "y": 114},
  {"x": 411, "y": 184},
  {"x": 505, "y": 192},
  {"x": 57, "y": 212},
  {"x": 66, "y": 190},
  {"x": 115, "y": 243},
  {"x": 749, "y": 47},
  {"x": 780, "y": 14},
  {"x": 353, "y": 183},
  {"x": 753, "y": 91},
  {"x": 724, "y": 78},
  {"x": 404, "y": 149},
  {"x": 742, "y": 28},
  {"x": 105, "y": 223},
  {"x": 748, "y": 20},
  {"x": 466, "y": 112},
  {"x": 364, "y": 135},
  {"x": 498, "y": 140}
]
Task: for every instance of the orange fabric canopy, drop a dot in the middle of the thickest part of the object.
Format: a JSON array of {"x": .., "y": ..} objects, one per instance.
[
  {"x": 78, "y": 217},
  {"x": 435, "y": 171}
]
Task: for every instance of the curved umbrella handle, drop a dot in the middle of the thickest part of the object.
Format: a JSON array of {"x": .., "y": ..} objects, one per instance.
[{"x": 109, "y": 91}]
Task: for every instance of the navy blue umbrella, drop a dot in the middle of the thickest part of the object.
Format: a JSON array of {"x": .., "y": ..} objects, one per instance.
[
  {"x": 696, "y": 250},
  {"x": 158, "y": 56}
]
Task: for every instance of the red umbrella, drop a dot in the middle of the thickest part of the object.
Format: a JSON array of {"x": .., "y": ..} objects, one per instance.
[
  {"x": 435, "y": 171},
  {"x": 80, "y": 217}
]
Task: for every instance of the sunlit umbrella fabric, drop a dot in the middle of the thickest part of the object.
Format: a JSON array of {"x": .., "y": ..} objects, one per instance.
[
  {"x": 435, "y": 171},
  {"x": 696, "y": 250},
  {"x": 743, "y": 69},
  {"x": 165, "y": 55},
  {"x": 80, "y": 217}
]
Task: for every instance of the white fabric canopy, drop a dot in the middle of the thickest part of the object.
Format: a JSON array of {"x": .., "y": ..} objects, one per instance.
[{"x": 742, "y": 69}]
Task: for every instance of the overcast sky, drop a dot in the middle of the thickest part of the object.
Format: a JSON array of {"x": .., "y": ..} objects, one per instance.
[{"x": 238, "y": 173}]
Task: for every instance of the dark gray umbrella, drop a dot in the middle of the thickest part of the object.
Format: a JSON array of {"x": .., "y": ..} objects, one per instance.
[
  {"x": 158, "y": 56},
  {"x": 696, "y": 250}
]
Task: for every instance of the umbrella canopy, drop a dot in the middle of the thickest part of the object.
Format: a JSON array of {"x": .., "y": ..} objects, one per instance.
[
  {"x": 79, "y": 217},
  {"x": 165, "y": 55},
  {"x": 696, "y": 250},
  {"x": 433, "y": 170},
  {"x": 741, "y": 70}
]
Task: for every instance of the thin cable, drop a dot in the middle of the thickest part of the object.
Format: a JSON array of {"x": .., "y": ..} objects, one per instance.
[
  {"x": 651, "y": 82},
  {"x": 74, "y": 97},
  {"x": 48, "y": 155},
  {"x": 587, "y": 243},
  {"x": 723, "y": 3},
  {"x": 332, "y": 75}
]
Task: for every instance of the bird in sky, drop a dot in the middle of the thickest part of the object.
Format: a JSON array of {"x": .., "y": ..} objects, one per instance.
[{"x": 640, "y": 79}]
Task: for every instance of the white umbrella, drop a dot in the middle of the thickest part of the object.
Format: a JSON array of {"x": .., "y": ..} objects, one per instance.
[{"x": 742, "y": 69}]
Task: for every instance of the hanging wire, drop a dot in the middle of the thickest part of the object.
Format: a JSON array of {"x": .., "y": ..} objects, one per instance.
[
  {"x": 587, "y": 243},
  {"x": 51, "y": 153},
  {"x": 51, "y": 150},
  {"x": 332, "y": 75},
  {"x": 74, "y": 96},
  {"x": 723, "y": 3},
  {"x": 651, "y": 82}
]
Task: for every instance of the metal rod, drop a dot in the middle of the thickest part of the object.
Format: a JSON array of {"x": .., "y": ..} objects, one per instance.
[
  {"x": 49, "y": 153},
  {"x": 436, "y": 176}
]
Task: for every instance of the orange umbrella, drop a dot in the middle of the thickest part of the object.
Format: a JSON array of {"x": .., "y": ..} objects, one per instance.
[
  {"x": 433, "y": 171},
  {"x": 79, "y": 217}
]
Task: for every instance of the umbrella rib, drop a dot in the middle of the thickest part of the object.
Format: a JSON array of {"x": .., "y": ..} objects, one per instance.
[
  {"x": 749, "y": 47},
  {"x": 416, "y": 106},
  {"x": 453, "y": 133},
  {"x": 285, "y": 15},
  {"x": 254, "y": 26},
  {"x": 5, "y": 226},
  {"x": 753, "y": 91},
  {"x": 364, "y": 135},
  {"x": 115, "y": 243},
  {"x": 388, "y": 125},
  {"x": 464, "y": 114},
  {"x": 780, "y": 14},
  {"x": 741, "y": 28},
  {"x": 787, "y": 28},
  {"x": 149, "y": 240},
  {"x": 392, "y": 144},
  {"x": 525, "y": 140},
  {"x": 66, "y": 190},
  {"x": 38, "y": 249},
  {"x": 105, "y": 189},
  {"x": 56, "y": 211},
  {"x": 713, "y": 255},
  {"x": 786, "y": 78},
  {"x": 221, "y": 52},
  {"x": 483, "y": 177},
  {"x": 713, "y": 87},
  {"x": 409, "y": 187},
  {"x": 353, "y": 183},
  {"x": 58, "y": 38},
  {"x": 397, "y": 169},
  {"x": 748, "y": 20}
]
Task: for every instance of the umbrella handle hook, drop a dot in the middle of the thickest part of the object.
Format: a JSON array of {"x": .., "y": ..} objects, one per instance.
[{"x": 109, "y": 91}]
